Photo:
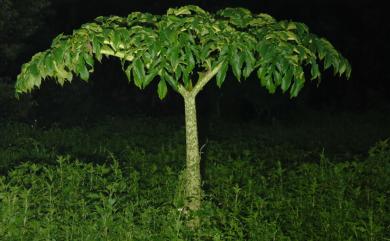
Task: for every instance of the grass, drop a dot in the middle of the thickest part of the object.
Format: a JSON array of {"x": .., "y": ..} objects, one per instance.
[{"x": 119, "y": 179}]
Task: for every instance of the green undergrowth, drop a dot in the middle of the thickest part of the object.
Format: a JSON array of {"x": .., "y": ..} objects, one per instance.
[{"x": 120, "y": 180}]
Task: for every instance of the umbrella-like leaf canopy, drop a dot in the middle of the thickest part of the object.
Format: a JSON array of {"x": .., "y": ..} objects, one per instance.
[{"x": 183, "y": 45}]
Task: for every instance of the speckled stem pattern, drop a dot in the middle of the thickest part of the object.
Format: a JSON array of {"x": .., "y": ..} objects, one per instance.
[
  {"x": 193, "y": 189},
  {"x": 193, "y": 179}
]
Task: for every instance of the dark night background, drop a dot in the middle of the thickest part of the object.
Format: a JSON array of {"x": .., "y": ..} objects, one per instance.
[
  {"x": 105, "y": 160},
  {"x": 358, "y": 29}
]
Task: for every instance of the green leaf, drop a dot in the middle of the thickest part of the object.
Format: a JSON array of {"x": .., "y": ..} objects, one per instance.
[
  {"x": 59, "y": 53},
  {"x": 277, "y": 78},
  {"x": 237, "y": 16},
  {"x": 221, "y": 75},
  {"x": 336, "y": 63},
  {"x": 292, "y": 36},
  {"x": 124, "y": 35},
  {"x": 96, "y": 48},
  {"x": 286, "y": 80},
  {"x": 186, "y": 79},
  {"x": 93, "y": 27},
  {"x": 62, "y": 74},
  {"x": 180, "y": 11},
  {"x": 168, "y": 35},
  {"x": 295, "y": 88},
  {"x": 173, "y": 56},
  {"x": 82, "y": 70},
  {"x": 68, "y": 58},
  {"x": 327, "y": 62},
  {"x": 156, "y": 63},
  {"x": 342, "y": 67},
  {"x": 315, "y": 71},
  {"x": 291, "y": 26},
  {"x": 190, "y": 60},
  {"x": 35, "y": 77},
  {"x": 298, "y": 82},
  {"x": 269, "y": 54},
  {"x": 116, "y": 38},
  {"x": 49, "y": 64},
  {"x": 250, "y": 62},
  {"x": 88, "y": 59},
  {"x": 138, "y": 72},
  {"x": 236, "y": 63},
  {"x": 34, "y": 70},
  {"x": 128, "y": 72},
  {"x": 171, "y": 81},
  {"x": 261, "y": 72},
  {"x": 162, "y": 89},
  {"x": 178, "y": 72},
  {"x": 149, "y": 77},
  {"x": 57, "y": 40},
  {"x": 268, "y": 83},
  {"x": 185, "y": 10},
  {"x": 265, "y": 76},
  {"x": 348, "y": 71},
  {"x": 261, "y": 20}
]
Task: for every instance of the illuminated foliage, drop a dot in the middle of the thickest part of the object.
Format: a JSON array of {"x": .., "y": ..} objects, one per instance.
[{"x": 184, "y": 41}]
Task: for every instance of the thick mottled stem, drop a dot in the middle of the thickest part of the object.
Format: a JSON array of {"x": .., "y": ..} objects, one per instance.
[
  {"x": 193, "y": 189},
  {"x": 192, "y": 176}
]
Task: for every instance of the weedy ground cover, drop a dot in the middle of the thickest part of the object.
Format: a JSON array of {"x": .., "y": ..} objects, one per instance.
[{"x": 119, "y": 179}]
